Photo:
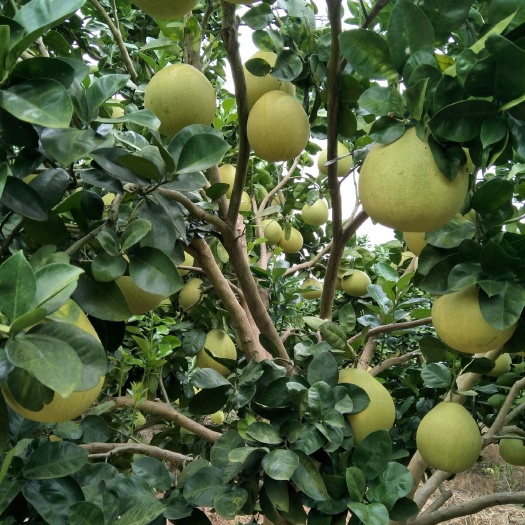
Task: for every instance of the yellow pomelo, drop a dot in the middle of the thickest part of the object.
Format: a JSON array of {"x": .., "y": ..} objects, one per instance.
[
  {"x": 512, "y": 450},
  {"x": 380, "y": 413},
  {"x": 312, "y": 294},
  {"x": 166, "y": 8},
  {"x": 217, "y": 417},
  {"x": 315, "y": 214},
  {"x": 188, "y": 261},
  {"x": 60, "y": 408},
  {"x": 219, "y": 343},
  {"x": 400, "y": 186},
  {"x": 344, "y": 165},
  {"x": 278, "y": 127},
  {"x": 293, "y": 243},
  {"x": 448, "y": 438},
  {"x": 458, "y": 322},
  {"x": 501, "y": 366},
  {"x": 227, "y": 173},
  {"x": 246, "y": 202},
  {"x": 415, "y": 241},
  {"x": 190, "y": 294},
  {"x": 272, "y": 230},
  {"x": 257, "y": 86},
  {"x": 180, "y": 95},
  {"x": 356, "y": 284},
  {"x": 139, "y": 301}
]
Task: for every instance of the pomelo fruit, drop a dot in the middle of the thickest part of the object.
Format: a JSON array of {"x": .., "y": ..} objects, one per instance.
[
  {"x": 512, "y": 450},
  {"x": 293, "y": 243},
  {"x": 344, "y": 165},
  {"x": 139, "y": 301},
  {"x": 415, "y": 242},
  {"x": 190, "y": 294},
  {"x": 188, "y": 261},
  {"x": 311, "y": 294},
  {"x": 272, "y": 230},
  {"x": 356, "y": 284},
  {"x": 315, "y": 214},
  {"x": 227, "y": 173},
  {"x": 166, "y": 8},
  {"x": 219, "y": 343},
  {"x": 400, "y": 186},
  {"x": 501, "y": 366}
]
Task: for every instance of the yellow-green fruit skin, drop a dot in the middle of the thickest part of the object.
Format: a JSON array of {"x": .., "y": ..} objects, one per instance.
[
  {"x": 219, "y": 343},
  {"x": 415, "y": 242},
  {"x": 315, "y": 214},
  {"x": 180, "y": 95},
  {"x": 257, "y": 86},
  {"x": 246, "y": 203},
  {"x": 139, "y": 301},
  {"x": 272, "y": 230},
  {"x": 188, "y": 261},
  {"x": 278, "y": 127},
  {"x": 400, "y": 186},
  {"x": 459, "y": 323},
  {"x": 501, "y": 366},
  {"x": 312, "y": 294},
  {"x": 227, "y": 173},
  {"x": 448, "y": 438},
  {"x": 190, "y": 294},
  {"x": 165, "y": 8},
  {"x": 356, "y": 284},
  {"x": 512, "y": 451},
  {"x": 380, "y": 413},
  {"x": 344, "y": 165},
  {"x": 293, "y": 243}
]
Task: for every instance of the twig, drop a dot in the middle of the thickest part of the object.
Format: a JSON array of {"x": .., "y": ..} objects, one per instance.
[
  {"x": 118, "y": 38},
  {"x": 392, "y": 327},
  {"x": 379, "y": 5},
  {"x": 42, "y": 47},
  {"x": 393, "y": 361},
  {"x": 84, "y": 240}
]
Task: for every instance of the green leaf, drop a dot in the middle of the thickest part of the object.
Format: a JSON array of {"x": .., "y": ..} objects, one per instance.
[
  {"x": 52, "y": 498},
  {"x": 409, "y": 31},
  {"x": 94, "y": 430},
  {"x": 386, "y": 130},
  {"x": 373, "y": 453},
  {"x": 101, "y": 89},
  {"x": 394, "y": 483},
  {"x": 4, "y": 429},
  {"x": 106, "y": 268},
  {"x": 323, "y": 367},
  {"x": 66, "y": 146},
  {"x": 432, "y": 348},
  {"x": 377, "y": 100},
  {"x": 208, "y": 378},
  {"x": 229, "y": 501},
  {"x": 355, "y": 483},
  {"x": 452, "y": 234},
  {"x": 85, "y": 513},
  {"x": 491, "y": 195},
  {"x": 320, "y": 400},
  {"x": 17, "y": 286},
  {"x": 223, "y": 446},
  {"x": 464, "y": 275},
  {"x": 347, "y": 318},
  {"x": 141, "y": 117},
  {"x": 308, "y": 479},
  {"x": 197, "y": 148},
  {"x": 142, "y": 166},
  {"x": 45, "y": 67},
  {"x": 446, "y": 15},
  {"x": 367, "y": 52},
  {"x": 436, "y": 375},
  {"x": 201, "y": 488},
  {"x": 280, "y": 464},
  {"x": 372, "y": 514},
  {"x": 461, "y": 121},
  {"x": 54, "y": 460},
  {"x": 135, "y": 231},
  {"x": 23, "y": 199},
  {"x": 142, "y": 514},
  {"x": 153, "y": 471},
  {"x": 258, "y": 17},
  {"x": 55, "y": 283},
  {"x": 334, "y": 335},
  {"x": 153, "y": 270},
  {"x": 5, "y": 33},
  {"x": 288, "y": 66},
  {"x": 264, "y": 433},
  {"x": 503, "y": 309},
  {"x": 43, "y": 102},
  {"x": 403, "y": 509}
]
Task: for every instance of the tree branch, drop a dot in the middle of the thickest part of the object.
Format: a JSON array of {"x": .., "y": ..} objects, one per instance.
[
  {"x": 168, "y": 413},
  {"x": 392, "y": 327},
  {"x": 393, "y": 361},
  {"x": 106, "y": 450},
  {"x": 115, "y": 31},
  {"x": 379, "y": 5}
]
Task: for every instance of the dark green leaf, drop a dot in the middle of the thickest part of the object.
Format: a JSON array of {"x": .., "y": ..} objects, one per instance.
[
  {"x": 106, "y": 268},
  {"x": 409, "y": 31},
  {"x": 368, "y": 53},
  {"x": 334, "y": 335},
  {"x": 307, "y": 478},
  {"x": 355, "y": 483},
  {"x": 503, "y": 309},
  {"x": 323, "y": 367},
  {"x": 23, "y": 199},
  {"x": 66, "y": 146},
  {"x": 17, "y": 286},
  {"x": 201, "y": 488},
  {"x": 85, "y": 513},
  {"x": 142, "y": 514},
  {"x": 208, "y": 378},
  {"x": 372, "y": 514},
  {"x": 229, "y": 501},
  {"x": 432, "y": 348},
  {"x": 452, "y": 234},
  {"x": 44, "y": 102},
  {"x": 264, "y": 433},
  {"x": 258, "y": 17},
  {"x": 101, "y": 89},
  {"x": 95, "y": 430},
  {"x": 347, "y": 318},
  {"x": 153, "y": 471},
  {"x": 386, "y": 130},
  {"x": 403, "y": 509},
  {"x": 4, "y": 429},
  {"x": 446, "y": 15},
  {"x": 373, "y": 453},
  {"x": 464, "y": 275},
  {"x": 54, "y": 460},
  {"x": 134, "y": 233},
  {"x": 436, "y": 375},
  {"x": 280, "y": 464},
  {"x": 491, "y": 195},
  {"x": 288, "y": 66}
]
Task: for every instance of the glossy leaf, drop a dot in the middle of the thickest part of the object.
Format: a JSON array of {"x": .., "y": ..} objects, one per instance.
[
  {"x": 334, "y": 335},
  {"x": 17, "y": 286},
  {"x": 308, "y": 479},
  {"x": 264, "y": 433},
  {"x": 153, "y": 471},
  {"x": 409, "y": 31},
  {"x": 367, "y": 52},
  {"x": 280, "y": 464},
  {"x": 67, "y": 146},
  {"x": 452, "y": 234},
  {"x": 134, "y": 233},
  {"x": 54, "y": 460},
  {"x": 106, "y": 268},
  {"x": 54, "y": 285},
  {"x": 229, "y": 501},
  {"x": 201, "y": 488},
  {"x": 372, "y": 514},
  {"x": 464, "y": 275},
  {"x": 85, "y": 513},
  {"x": 436, "y": 375},
  {"x": 43, "y": 102},
  {"x": 355, "y": 483},
  {"x": 101, "y": 89},
  {"x": 446, "y": 15},
  {"x": 323, "y": 367},
  {"x": 503, "y": 309},
  {"x": 142, "y": 514},
  {"x": 23, "y": 199},
  {"x": 141, "y": 117},
  {"x": 288, "y": 66},
  {"x": 373, "y": 454},
  {"x": 258, "y": 17},
  {"x": 4, "y": 429},
  {"x": 492, "y": 195}
]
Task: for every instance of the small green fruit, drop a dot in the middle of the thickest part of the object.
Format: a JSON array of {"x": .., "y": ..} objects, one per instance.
[{"x": 217, "y": 417}]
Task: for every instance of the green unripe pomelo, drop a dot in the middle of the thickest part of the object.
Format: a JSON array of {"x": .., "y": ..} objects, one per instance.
[
  {"x": 380, "y": 413},
  {"x": 188, "y": 261},
  {"x": 190, "y": 294},
  {"x": 311, "y": 294},
  {"x": 356, "y": 284},
  {"x": 227, "y": 173},
  {"x": 448, "y": 438},
  {"x": 219, "y": 343},
  {"x": 512, "y": 450},
  {"x": 272, "y": 230},
  {"x": 315, "y": 214},
  {"x": 293, "y": 243}
]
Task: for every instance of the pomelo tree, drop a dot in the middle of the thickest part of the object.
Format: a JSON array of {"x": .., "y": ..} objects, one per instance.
[{"x": 128, "y": 266}]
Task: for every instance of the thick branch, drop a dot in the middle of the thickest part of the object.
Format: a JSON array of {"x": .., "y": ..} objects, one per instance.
[
  {"x": 392, "y": 327},
  {"x": 231, "y": 43},
  {"x": 168, "y": 413},
  {"x": 118, "y": 38},
  {"x": 393, "y": 361},
  {"x": 249, "y": 342},
  {"x": 471, "y": 507},
  {"x": 105, "y": 450}
]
